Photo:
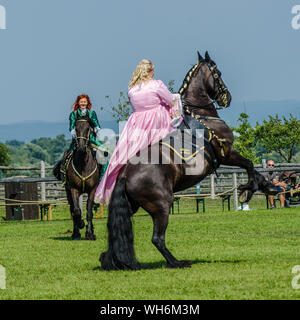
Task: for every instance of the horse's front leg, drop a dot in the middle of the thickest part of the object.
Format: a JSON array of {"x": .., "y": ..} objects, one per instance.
[
  {"x": 78, "y": 222},
  {"x": 89, "y": 234},
  {"x": 233, "y": 158},
  {"x": 255, "y": 180}
]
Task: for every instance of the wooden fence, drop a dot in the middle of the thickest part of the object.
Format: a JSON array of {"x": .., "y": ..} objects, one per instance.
[{"x": 226, "y": 179}]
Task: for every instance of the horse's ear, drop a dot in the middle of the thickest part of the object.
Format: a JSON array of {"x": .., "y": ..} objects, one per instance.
[
  {"x": 207, "y": 57},
  {"x": 200, "y": 58}
]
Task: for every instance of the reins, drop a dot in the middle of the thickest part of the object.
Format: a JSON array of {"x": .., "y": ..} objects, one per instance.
[{"x": 211, "y": 132}]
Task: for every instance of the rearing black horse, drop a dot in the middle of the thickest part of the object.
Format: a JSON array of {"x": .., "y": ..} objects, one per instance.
[{"x": 151, "y": 186}]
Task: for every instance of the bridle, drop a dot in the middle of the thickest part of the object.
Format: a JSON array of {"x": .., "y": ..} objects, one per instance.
[
  {"x": 84, "y": 179},
  {"x": 221, "y": 95},
  {"x": 83, "y": 138}
]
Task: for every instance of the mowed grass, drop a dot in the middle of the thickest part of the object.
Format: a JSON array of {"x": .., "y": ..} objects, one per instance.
[{"x": 235, "y": 255}]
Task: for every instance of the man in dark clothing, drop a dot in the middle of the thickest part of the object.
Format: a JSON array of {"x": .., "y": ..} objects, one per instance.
[{"x": 272, "y": 177}]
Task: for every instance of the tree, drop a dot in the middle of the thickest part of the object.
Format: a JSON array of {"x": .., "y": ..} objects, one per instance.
[
  {"x": 122, "y": 110},
  {"x": 4, "y": 155},
  {"x": 245, "y": 139},
  {"x": 53, "y": 147},
  {"x": 280, "y": 135},
  {"x": 14, "y": 143}
]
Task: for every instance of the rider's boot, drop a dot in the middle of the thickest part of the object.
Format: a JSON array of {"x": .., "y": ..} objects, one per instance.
[{"x": 59, "y": 167}]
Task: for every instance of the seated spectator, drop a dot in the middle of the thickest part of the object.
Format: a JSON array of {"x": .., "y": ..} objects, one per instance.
[
  {"x": 272, "y": 177},
  {"x": 290, "y": 178}
]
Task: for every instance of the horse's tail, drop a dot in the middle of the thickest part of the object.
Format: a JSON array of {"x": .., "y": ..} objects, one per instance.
[{"x": 120, "y": 254}]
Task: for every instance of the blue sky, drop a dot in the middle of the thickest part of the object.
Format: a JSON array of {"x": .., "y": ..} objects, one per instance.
[{"x": 54, "y": 50}]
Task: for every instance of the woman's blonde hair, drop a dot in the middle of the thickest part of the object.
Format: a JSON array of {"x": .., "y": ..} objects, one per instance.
[{"x": 141, "y": 73}]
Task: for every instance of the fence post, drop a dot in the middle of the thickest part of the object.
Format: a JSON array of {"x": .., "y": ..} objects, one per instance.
[
  {"x": 212, "y": 186},
  {"x": 43, "y": 184},
  {"x": 264, "y": 163},
  {"x": 235, "y": 192}
]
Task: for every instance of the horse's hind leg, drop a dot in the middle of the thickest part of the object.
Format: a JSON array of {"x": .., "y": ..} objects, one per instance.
[
  {"x": 160, "y": 223},
  {"x": 89, "y": 234}
]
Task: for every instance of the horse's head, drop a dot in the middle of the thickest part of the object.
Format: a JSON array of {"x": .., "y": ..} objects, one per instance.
[
  {"x": 83, "y": 127},
  {"x": 204, "y": 84}
]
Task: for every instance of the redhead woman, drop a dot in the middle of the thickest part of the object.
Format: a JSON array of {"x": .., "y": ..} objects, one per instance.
[
  {"x": 81, "y": 107},
  {"x": 156, "y": 113}
]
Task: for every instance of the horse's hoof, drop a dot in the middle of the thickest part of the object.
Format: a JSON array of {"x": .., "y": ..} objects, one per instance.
[
  {"x": 243, "y": 196},
  {"x": 76, "y": 237},
  {"x": 180, "y": 264},
  {"x": 90, "y": 236}
]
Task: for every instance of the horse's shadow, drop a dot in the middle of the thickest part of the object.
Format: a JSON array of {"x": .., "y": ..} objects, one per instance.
[
  {"x": 69, "y": 238},
  {"x": 162, "y": 264}
]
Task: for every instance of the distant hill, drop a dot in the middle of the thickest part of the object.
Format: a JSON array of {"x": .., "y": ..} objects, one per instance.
[
  {"x": 29, "y": 130},
  {"x": 257, "y": 111}
]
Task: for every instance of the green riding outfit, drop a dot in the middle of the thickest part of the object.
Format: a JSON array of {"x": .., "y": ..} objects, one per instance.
[
  {"x": 94, "y": 142},
  {"x": 60, "y": 168}
]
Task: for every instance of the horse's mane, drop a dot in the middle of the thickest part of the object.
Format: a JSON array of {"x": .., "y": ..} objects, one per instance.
[{"x": 187, "y": 79}]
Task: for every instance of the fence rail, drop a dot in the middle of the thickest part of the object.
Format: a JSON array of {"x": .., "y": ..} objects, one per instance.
[{"x": 225, "y": 179}]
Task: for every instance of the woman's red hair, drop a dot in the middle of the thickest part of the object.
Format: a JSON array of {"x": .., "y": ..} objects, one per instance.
[{"x": 75, "y": 105}]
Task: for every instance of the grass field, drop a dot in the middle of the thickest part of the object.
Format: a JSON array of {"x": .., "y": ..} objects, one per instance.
[{"x": 235, "y": 255}]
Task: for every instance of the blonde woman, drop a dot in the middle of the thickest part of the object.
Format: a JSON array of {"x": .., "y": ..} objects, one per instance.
[{"x": 156, "y": 113}]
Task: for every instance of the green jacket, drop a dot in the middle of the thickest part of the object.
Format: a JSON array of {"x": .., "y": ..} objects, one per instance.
[
  {"x": 73, "y": 116},
  {"x": 95, "y": 143}
]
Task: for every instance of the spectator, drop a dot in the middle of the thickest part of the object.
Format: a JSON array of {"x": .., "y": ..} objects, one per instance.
[
  {"x": 290, "y": 178},
  {"x": 271, "y": 177}
]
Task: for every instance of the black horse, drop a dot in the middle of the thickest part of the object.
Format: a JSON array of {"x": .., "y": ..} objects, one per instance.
[
  {"x": 151, "y": 186},
  {"x": 82, "y": 176}
]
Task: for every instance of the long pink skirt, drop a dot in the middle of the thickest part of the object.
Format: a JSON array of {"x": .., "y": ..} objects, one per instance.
[{"x": 142, "y": 129}]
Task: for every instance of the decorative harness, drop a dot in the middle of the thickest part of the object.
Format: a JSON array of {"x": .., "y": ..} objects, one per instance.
[
  {"x": 83, "y": 179},
  {"x": 220, "y": 96}
]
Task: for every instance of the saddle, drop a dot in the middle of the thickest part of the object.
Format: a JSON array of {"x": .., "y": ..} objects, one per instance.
[
  {"x": 60, "y": 169},
  {"x": 185, "y": 141}
]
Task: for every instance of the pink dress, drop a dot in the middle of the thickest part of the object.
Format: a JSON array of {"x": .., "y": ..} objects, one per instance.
[{"x": 150, "y": 121}]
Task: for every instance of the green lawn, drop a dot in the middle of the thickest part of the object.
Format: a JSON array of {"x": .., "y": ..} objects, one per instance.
[{"x": 235, "y": 255}]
